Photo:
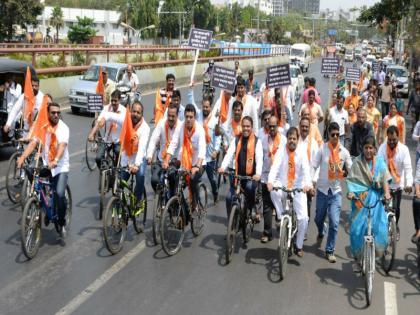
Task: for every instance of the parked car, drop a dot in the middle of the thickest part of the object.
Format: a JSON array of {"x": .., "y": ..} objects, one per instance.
[
  {"x": 358, "y": 53},
  {"x": 401, "y": 79},
  {"x": 349, "y": 56},
  {"x": 8, "y": 68},
  {"x": 87, "y": 84},
  {"x": 297, "y": 80}
]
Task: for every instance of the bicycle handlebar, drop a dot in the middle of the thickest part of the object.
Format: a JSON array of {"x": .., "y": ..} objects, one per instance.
[
  {"x": 357, "y": 198},
  {"x": 240, "y": 177},
  {"x": 286, "y": 190}
]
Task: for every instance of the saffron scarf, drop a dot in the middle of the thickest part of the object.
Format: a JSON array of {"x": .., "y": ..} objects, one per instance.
[
  {"x": 390, "y": 155},
  {"x": 291, "y": 168},
  {"x": 334, "y": 169}
]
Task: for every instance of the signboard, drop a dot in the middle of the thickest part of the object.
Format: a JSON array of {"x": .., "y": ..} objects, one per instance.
[
  {"x": 278, "y": 76},
  {"x": 330, "y": 65},
  {"x": 200, "y": 39},
  {"x": 353, "y": 74},
  {"x": 223, "y": 78},
  {"x": 375, "y": 66},
  {"x": 332, "y": 32},
  {"x": 95, "y": 102}
]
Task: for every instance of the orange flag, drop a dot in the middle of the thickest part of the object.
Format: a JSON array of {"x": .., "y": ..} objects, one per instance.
[
  {"x": 41, "y": 124},
  {"x": 100, "y": 88},
  {"x": 29, "y": 96},
  {"x": 127, "y": 135}
]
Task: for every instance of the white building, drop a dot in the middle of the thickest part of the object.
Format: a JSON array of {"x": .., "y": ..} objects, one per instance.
[
  {"x": 105, "y": 23},
  {"x": 279, "y": 7},
  {"x": 265, "y": 6}
]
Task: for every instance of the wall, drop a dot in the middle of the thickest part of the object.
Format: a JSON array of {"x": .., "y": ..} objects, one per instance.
[{"x": 151, "y": 79}]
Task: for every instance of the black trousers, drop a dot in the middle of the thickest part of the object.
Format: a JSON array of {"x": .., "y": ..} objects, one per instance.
[
  {"x": 267, "y": 211},
  {"x": 396, "y": 202},
  {"x": 416, "y": 213}
]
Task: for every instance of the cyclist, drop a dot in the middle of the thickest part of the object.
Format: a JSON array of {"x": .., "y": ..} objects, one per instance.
[
  {"x": 223, "y": 106},
  {"x": 130, "y": 79},
  {"x": 265, "y": 126},
  {"x": 190, "y": 142},
  {"x": 232, "y": 127},
  {"x": 250, "y": 105},
  {"x": 55, "y": 156},
  {"x": 397, "y": 157},
  {"x": 369, "y": 179},
  {"x": 245, "y": 155},
  {"x": 22, "y": 108},
  {"x": 332, "y": 159},
  {"x": 163, "y": 98},
  {"x": 161, "y": 138},
  {"x": 271, "y": 143},
  {"x": 291, "y": 169},
  {"x": 176, "y": 99},
  {"x": 112, "y": 127}
]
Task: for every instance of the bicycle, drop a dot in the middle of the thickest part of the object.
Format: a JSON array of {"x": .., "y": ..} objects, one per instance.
[
  {"x": 174, "y": 216},
  {"x": 15, "y": 176},
  {"x": 388, "y": 258},
  {"x": 288, "y": 229},
  {"x": 162, "y": 191},
  {"x": 368, "y": 256},
  {"x": 123, "y": 206},
  {"x": 240, "y": 220},
  {"x": 91, "y": 149},
  {"x": 41, "y": 202}
]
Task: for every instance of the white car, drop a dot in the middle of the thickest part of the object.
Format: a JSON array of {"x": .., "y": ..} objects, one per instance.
[
  {"x": 370, "y": 58},
  {"x": 349, "y": 56},
  {"x": 297, "y": 80}
]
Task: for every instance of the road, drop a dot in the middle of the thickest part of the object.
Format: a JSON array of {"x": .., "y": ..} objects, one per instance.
[{"x": 81, "y": 277}]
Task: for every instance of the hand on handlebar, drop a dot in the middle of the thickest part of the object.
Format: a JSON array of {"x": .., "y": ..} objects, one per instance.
[
  {"x": 270, "y": 187},
  {"x": 256, "y": 178},
  {"x": 221, "y": 170},
  {"x": 351, "y": 196}
]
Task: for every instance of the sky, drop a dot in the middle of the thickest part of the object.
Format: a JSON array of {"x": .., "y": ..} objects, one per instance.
[{"x": 331, "y": 4}]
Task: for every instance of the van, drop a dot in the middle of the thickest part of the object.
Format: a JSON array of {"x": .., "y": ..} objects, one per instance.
[{"x": 301, "y": 54}]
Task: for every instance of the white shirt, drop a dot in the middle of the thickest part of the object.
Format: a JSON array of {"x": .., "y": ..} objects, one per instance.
[
  {"x": 19, "y": 108},
  {"x": 159, "y": 138},
  {"x": 198, "y": 140},
  {"x": 62, "y": 134},
  {"x": 216, "y": 108},
  {"x": 321, "y": 161},
  {"x": 215, "y": 141},
  {"x": 266, "y": 141},
  {"x": 229, "y": 159},
  {"x": 341, "y": 117},
  {"x": 403, "y": 164},
  {"x": 12, "y": 94},
  {"x": 126, "y": 81},
  {"x": 316, "y": 112},
  {"x": 181, "y": 111},
  {"x": 250, "y": 109},
  {"x": 114, "y": 135},
  {"x": 228, "y": 131},
  {"x": 278, "y": 172},
  {"x": 303, "y": 144}
]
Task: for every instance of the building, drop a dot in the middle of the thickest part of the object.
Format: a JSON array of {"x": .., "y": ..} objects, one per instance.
[
  {"x": 280, "y": 7},
  {"x": 106, "y": 23},
  {"x": 265, "y": 6},
  {"x": 304, "y": 6}
]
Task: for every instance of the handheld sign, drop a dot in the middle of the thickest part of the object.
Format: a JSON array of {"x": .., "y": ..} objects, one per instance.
[
  {"x": 199, "y": 39},
  {"x": 375, "y": 66},
  {"x": 95, "y": 103},
  {"x": 223, "y": 78},
  {"x": 278, "y": 76},
  {"x": 353, "y": 74},
  {"x": 330, "y": 65}
]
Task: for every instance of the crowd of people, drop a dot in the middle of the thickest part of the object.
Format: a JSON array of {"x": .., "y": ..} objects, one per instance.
[{"x": 253, "y": 131}]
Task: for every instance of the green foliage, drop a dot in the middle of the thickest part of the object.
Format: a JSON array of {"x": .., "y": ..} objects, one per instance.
[
  {"x": 82, "y": 31},
  {"x": 169, "y": 23},
  {"x": 85, "y": 4},
  {"x": 140, "y": 14},
  {"x": 56, "y": 19},
  {"x": 20, "y": 56},
  {"x": 20, "y": 12},
  {"x": 78, "y": 59},
  {"x": 46, "y": 61}
]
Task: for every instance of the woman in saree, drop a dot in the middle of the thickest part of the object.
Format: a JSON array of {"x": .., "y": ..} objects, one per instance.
[{"x": 368, "y": 180}]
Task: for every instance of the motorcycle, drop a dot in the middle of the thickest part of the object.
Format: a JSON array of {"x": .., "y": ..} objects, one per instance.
[{"x": 128, "y": 97}]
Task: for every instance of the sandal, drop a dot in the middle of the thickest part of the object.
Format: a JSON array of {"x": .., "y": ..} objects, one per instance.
[{"x": 265, "y": 239}]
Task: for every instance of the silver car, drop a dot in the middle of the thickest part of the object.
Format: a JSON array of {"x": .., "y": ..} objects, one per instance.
[{"x": 401, "y": 79}]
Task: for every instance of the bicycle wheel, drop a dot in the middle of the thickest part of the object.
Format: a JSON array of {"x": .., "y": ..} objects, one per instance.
[
  {"x": 91, "y": 148},
  {"x": 247, "y": 225},
  {"x": 25, "y": 192},
  {"x": 389, "y": 253},
  {"x": 283, "y": 250},
  {"x": 172, "y": 226},
  {"x": 369, "y": 268},
  {"x": 140, "y": 215},
  {"x": 14, "y": 179},
  {"x": 198, "y": 218},
  {"x": 31, "y": 228},
  {"x": 103, "y": 189},
  {"x": 114, "y": 225},
  {"x": 157, "y": 213},
  {"x": 69, "y": 207},
  {"x": 232, "y": 231}
]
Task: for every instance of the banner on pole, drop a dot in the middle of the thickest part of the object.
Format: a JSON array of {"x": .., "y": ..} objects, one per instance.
[
  {"x": 223, "y": 78},
  {"x": 278, "y": 76},
  {"x": 200, "y": 39}
]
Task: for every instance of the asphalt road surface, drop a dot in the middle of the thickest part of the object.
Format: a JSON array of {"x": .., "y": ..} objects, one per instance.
[{"x": 81, "y": 277}]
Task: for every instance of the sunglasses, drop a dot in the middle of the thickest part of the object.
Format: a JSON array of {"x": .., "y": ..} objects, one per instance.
[
  {"x": 272, "y": 126},
  {"x": 334, "y": 135},
  {"x": 55, "y": 113}
]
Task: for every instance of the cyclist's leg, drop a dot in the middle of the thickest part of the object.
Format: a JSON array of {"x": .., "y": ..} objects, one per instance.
[
  {"x": 416, "y": 218},
  {"x": 396, "y": 203},
  {"x": 230, "y": 194},
  {"x": 334, "y": 211},
  {"x": 116, "y": 147},
  {"x": 277, "y": 199},
  {"x": 267, "y": 212},
  {"x": 211, "y": 175},
  {"x": 156, "y": 176},
  {"x": 321, "y": 212},
  {"x": 59, "y": 183},
  {"x": 249, "y": 188},
  {"x": 140, "y": 180},
  {"x": 299, "y": 204},
  {"x": 100, "y": 154},
  {"x": 194, "y": 182}
]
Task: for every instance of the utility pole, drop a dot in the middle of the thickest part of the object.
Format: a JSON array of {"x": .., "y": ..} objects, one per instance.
[{"x": 258, "y": 19}]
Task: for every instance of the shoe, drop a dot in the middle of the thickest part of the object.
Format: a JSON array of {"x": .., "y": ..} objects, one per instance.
[
  {"x": 306, "y": 237},
  {"x": 265, "y": 239},
  {"x": 46, "y": 220},
  {"x": 62, "y": 231},
  {"x": 331, "y": 257},
  {"x": 415, "y": 238},
  {"x": 299, "y": 252},
  {"x": 357, "y": 268},
  {"x": 398, "y": 233},
  {"x": 319, "y": 239},
  {"x": 215, "y": 199}
]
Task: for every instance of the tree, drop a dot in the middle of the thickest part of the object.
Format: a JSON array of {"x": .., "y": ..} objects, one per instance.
[
  {"x": 142, "y": 13},
  {"x": 17, "y": 12},
  {"x": 169, "y": 23},
  {"x": 276, "y": 31},
  {"x": 56, "y": 20},
  {"x": 82, "y": 31}
]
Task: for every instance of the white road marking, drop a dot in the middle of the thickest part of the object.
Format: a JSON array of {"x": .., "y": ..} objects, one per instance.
[
  {"x": 83, "y": 296},
  {"x": 390, "y": 295}
]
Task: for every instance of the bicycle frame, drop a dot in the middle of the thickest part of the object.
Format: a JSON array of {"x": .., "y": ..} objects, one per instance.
[
  {"x": 47, "y": 202},
  {"x": 289, "y": 213}
]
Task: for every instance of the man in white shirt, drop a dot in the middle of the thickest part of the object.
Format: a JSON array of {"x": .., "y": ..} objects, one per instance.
[
  {"x": 332, "y": 159},
  {"x": 250, "y": 105},
  {"x": 339, "y": 115},
  {"x": 245, "y": 156},
  {"x": 12, "y": 92},
  {"x": 161, "y": 138},
  {"x": 191, "y": 145},
  {"x": 397, "y": 156},
  {"x": 265, "y": 119},
  {"x": 291, "y": 169},
  {"x": 55, "y": 156},
  {"x": 130, "y": 79},
  {"x": 316, "y": 114},
  {"x": 223, "y": 106},
  {"x": 19, "y": 109},
  {"x": 112, "y": 128},
  {"x": 271, "y": 143},
  {"x": 232, "y": 127},
  {"x": 176, "y": 99}
]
